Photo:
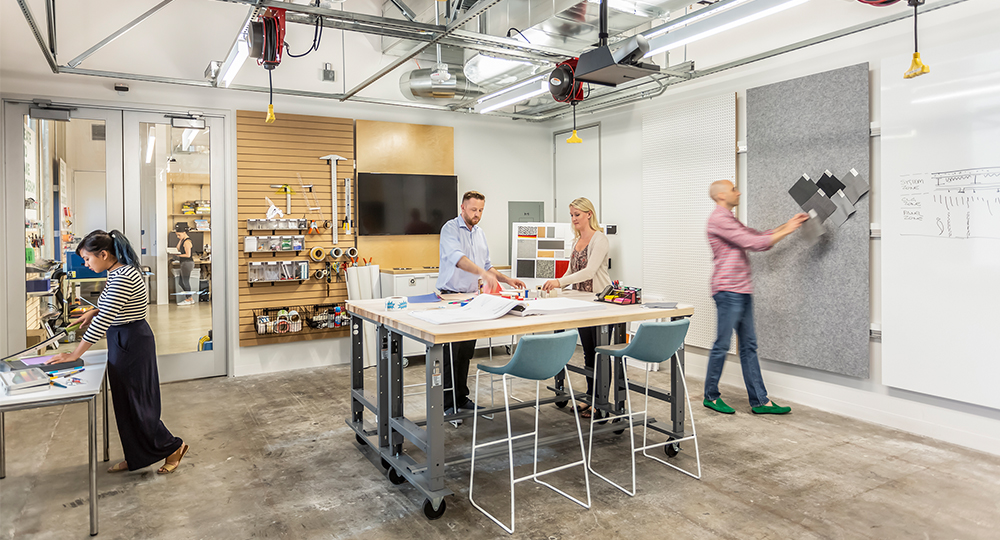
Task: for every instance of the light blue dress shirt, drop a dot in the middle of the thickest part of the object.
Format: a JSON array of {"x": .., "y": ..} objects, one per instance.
[{"x": 457, "y": 240}]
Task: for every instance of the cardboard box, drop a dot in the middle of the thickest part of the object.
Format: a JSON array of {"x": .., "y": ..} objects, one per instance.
[{"x": 35, "y": 337}]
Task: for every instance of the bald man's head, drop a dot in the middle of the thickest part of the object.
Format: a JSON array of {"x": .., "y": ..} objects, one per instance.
[{"x": 725, "y": 193}]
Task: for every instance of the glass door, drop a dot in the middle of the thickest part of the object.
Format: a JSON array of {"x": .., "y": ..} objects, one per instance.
[
  {"x": 175, "y": 168},
  {"x": 63, "y": 179}
]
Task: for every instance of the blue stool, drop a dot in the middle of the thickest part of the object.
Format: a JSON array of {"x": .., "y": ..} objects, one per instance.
[
  {"x": 536, "y": 358},
  {"x": 654, "y": 343}
]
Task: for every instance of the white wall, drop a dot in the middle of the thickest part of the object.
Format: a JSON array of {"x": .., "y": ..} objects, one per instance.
[{"x": 961, "y": 423}]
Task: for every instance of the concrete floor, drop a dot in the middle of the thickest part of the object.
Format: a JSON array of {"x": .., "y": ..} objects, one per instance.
[{"x": 271, "y": 457}]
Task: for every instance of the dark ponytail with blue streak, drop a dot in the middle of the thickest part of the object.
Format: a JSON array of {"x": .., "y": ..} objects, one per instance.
[{"x": 114, "y": 243}]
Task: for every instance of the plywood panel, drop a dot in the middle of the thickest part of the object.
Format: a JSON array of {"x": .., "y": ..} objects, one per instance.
[
  {"x": 412, "y": 251},
  {"x": 388, "y": 147},
  {"x": 281, "y": 153}
]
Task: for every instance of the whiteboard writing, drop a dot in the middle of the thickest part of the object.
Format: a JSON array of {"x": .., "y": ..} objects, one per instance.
[{"x": 963, "y": 203}]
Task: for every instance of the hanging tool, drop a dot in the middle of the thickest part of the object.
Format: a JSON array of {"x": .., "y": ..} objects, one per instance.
[
  {"x": 348, "y": 222},
  {"x": 283, "y": 188},
  {"x": 272, "y": 210},
  {"x": 917, "y": 67},
  {"x": 332, "y": 160}
]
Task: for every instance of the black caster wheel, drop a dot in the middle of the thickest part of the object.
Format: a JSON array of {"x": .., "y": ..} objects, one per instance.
[
  {"x": 395, "y": 478},
  {"x": 618, "y": 431},
  {"x": 433, "y": 514},
  {"x": 385, "y": 464},
  {"x": 672, "y": 449},
  {"x": 562, "y": 404},
  {"x": 361, "y": 440}
]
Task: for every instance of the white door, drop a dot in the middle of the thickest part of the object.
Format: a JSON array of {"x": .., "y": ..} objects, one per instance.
[
  {"x": 175, "y": 174},
  {"x": 577, "y": 170},
  {"x": 62, "y": 179}
]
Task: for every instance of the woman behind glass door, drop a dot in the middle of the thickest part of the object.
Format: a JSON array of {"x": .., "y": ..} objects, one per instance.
[{"x": 186, "y": 258}]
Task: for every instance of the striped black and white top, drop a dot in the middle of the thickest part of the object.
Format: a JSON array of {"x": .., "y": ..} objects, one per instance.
[{"x": 123, "y": 300}]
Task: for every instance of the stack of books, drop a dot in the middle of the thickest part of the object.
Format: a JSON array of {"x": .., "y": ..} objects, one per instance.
[{"x": 24, "y": 381}]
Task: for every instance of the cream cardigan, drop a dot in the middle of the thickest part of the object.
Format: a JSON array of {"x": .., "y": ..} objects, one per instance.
[{"x": 597, "y": 264}]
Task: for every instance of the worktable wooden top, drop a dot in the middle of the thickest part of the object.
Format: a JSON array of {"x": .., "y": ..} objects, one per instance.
[{"x": 405, "y": 323}]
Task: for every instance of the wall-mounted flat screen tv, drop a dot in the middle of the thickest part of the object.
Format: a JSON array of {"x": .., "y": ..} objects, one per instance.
[{"x": 405, "y": 203}]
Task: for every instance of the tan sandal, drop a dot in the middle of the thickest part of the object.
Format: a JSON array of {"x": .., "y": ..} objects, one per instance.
[
  {"x": 168, "y": 467},
  {"x": 121, "y": 466}
]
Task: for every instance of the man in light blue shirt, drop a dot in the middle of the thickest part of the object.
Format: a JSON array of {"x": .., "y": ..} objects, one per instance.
[{"x": 465, "y": 259}]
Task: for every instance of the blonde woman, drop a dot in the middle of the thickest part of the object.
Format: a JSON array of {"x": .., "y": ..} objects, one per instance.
[{"x": 588, "y": 271}]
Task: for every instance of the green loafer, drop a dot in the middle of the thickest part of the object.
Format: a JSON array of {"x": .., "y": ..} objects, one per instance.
[
  {"x": 719, "y": 406},
  {"x": 773, "y": 408}
]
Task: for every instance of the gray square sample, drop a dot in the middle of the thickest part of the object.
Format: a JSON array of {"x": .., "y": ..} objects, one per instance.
[
  {"x": 856, "y": 186},
  {"x": 525, "y": 248},
  {"x": 549, "y": 245},
  {"x": 803, "y": 189},
  {"x": 811, "y": 301},
  {"x": 823, "y": 206},
  {"x": 545, "y": 269},
  {"x": 526, "y": 269},
  {"x": 550, "y": 232}
]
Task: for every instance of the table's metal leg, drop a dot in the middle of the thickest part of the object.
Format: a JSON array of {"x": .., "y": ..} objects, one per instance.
[
  {"x": 395, "y": 388},
  {"x": 104, "y": 397},
  {"x": 676, "y": 391},
  {"x": 92, "y": 432},
  {"x": 3, "y": 451},
  {"x": 382, "y": 387},
  {"x": 435, "y": 417},
  {"x": 357, "y": 367}
]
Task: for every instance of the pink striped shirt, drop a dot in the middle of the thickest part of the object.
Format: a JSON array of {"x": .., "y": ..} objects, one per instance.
[{"x": 730, "y": 241}]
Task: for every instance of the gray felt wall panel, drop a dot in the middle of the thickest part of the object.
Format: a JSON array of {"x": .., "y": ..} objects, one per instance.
[{"x": 811, "y": 302}]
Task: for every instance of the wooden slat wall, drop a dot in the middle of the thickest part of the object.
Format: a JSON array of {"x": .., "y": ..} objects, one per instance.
[
  {"x": 275, "y": 154},
  {"x": 389, "y": 147}
]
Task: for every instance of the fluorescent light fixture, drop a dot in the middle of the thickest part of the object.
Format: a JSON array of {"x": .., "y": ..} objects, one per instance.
[
  {"x": 503, "y": 91},
  {"x": 238, "y": 54},
  {"x": 722, "y": 22},
  {"x": 707, "y": 11},
  {"x": 530, "y": 92},
  {"x": 482, "y": 68},
  {"x": 150, "y": 144}
]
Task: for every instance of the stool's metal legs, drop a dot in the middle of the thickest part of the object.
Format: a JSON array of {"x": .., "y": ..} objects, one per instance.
[
  {"x": 92, "y": 436},
  {"x": 104, "y": 393}
]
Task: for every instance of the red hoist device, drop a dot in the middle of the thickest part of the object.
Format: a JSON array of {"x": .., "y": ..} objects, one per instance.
[
  {"x": 600, "y": 66},
  {"x": 266, "y": 38}
]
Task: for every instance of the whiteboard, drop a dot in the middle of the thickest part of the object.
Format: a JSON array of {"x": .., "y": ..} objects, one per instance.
[{"x": 941, "y": 225}]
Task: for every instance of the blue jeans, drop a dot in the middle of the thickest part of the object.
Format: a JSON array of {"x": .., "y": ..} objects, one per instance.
[{"x": 735, "y": 312}]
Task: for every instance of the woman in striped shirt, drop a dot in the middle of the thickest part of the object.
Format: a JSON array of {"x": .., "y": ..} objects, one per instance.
[{"x": 121, "y": 314}]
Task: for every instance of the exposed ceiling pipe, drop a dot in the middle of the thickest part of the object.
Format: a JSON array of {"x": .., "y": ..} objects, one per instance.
[
  {"x": 479, "y": 8},
  {"x": 405, "y": 10}
]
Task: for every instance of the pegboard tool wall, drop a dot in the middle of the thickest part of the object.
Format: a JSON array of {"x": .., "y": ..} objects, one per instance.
[{"x": 272, "y": 154}]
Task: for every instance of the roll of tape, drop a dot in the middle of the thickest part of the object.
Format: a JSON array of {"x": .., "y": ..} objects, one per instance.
[
  {"x": 394, "y": 303},
  {"x": 352, "y": 252},
  {"x": 317, "y": 254},
  {"x": 336, "y": 253}
]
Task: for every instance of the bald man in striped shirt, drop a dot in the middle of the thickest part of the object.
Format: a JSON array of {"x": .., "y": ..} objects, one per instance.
[{"x": 732, "y": 290}]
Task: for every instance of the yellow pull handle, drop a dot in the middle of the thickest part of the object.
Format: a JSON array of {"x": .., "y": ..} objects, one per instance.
[
  {"x": 270, "y": 114},
  {"x": 917, "y": 67},
  {"x": 574, "y": 138}
]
